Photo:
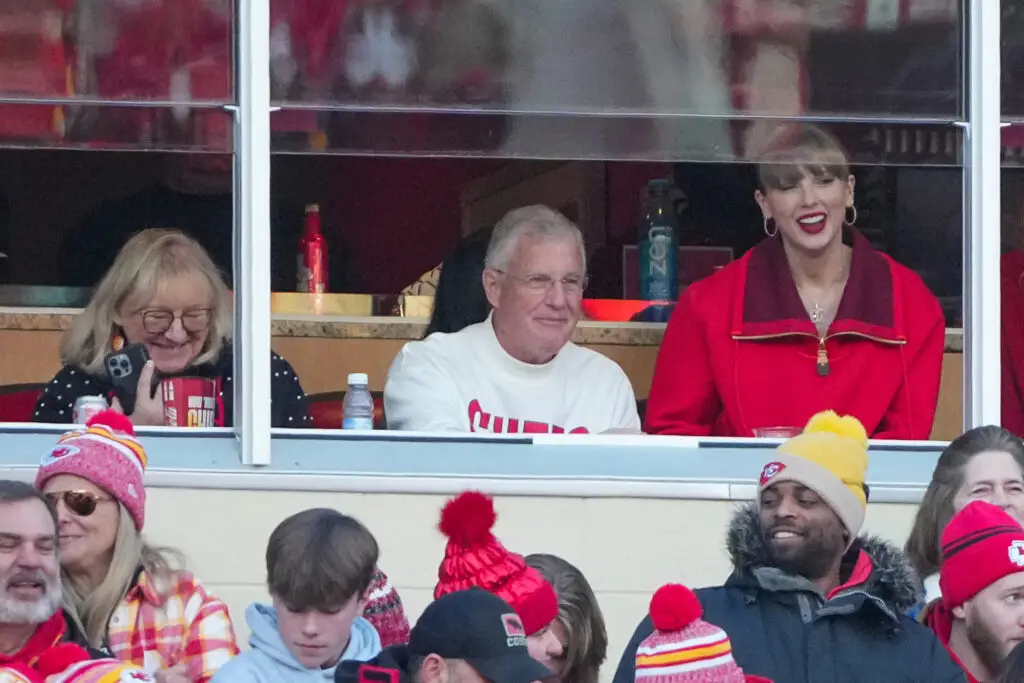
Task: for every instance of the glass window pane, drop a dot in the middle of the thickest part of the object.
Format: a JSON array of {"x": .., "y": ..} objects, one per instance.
[
  {"x": 115, "y": 127},
  {"x": 64, "y": 217},
  {"x": 391, "y": 222},
  {"x": 1012, "y": 297},
  {"x": 699, "y": 57},
  {"x": 153, "y": 50},
  {"x": 1012, "y": 40}
]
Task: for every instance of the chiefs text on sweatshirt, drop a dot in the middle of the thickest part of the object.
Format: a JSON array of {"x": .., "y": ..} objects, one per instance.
[
  {"x": 466, "y": 382},
  {"x": 741, "y": 353}
]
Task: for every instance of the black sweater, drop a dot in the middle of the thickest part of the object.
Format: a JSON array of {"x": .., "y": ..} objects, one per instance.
[{"x": 288, "y": 406}]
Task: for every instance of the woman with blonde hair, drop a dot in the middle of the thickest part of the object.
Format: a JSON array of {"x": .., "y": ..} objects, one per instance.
[
  {"x": 579, "y": 625},
  {"x": 164, "y": 292},
  {"x": 123, "y": 594}
]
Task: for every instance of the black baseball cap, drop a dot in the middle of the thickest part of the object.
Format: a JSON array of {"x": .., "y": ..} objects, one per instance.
[{"x": 481, "y": 629}]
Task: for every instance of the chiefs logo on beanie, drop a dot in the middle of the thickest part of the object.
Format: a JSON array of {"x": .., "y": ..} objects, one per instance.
[
  {"x": 830, "y": 457},
  {"x": 107, "y": 454},
  {"x": 980, "y": 545},
  {"x": 474, "y": 558}
]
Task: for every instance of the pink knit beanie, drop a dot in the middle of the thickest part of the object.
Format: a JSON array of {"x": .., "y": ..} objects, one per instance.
[{"x": 107, "y": 454}]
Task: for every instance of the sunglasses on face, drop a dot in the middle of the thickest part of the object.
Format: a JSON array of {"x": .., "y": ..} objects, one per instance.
[{"x": 81, "y": 503}]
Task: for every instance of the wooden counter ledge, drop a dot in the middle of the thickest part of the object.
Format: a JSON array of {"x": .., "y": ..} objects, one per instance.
[{"x": 380, "y": 327}]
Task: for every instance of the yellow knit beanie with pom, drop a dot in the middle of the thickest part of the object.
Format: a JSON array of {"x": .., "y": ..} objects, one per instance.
[{"x": 830, "y": 457}]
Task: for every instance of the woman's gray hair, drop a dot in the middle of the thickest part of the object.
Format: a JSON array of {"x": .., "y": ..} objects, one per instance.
[
  {"x": 145, "y": 263},
  {"x": 535, "y": 220}
]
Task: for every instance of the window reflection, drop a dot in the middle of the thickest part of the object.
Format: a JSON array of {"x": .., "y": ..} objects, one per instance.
[
  {"x": 718, "y": 57},
  {"x": 159, "y": 50}
]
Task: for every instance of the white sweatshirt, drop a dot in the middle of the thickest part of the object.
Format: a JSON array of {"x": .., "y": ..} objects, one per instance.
[{"x": 465, "y": 382}]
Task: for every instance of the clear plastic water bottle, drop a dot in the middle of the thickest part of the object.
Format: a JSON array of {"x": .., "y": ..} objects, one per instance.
[{"x": 357, "y": 408}]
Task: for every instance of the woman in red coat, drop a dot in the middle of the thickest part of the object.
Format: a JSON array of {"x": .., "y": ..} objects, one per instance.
[{"x": 813, "y": 318}]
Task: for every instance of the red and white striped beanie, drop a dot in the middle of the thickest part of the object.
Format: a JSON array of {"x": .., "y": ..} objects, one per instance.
[
  {"x": 107, "y": 454},
  {"x": 683, "y": 648}
]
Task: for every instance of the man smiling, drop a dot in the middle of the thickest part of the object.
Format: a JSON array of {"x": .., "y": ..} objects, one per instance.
[
  {"x": 517, "y": 372},
  {"x": 809, "y": 600},
  {"x": 31, "y": 621}
]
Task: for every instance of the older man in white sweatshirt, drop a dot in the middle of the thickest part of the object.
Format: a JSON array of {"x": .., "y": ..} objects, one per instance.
[{"x": 516, "y": 372}]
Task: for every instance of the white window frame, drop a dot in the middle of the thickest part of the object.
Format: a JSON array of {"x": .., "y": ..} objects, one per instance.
[
  {"x": 982, "y": 216},
  {"x": 252, "y": 233},
  {"x": 252, "y": 295}
]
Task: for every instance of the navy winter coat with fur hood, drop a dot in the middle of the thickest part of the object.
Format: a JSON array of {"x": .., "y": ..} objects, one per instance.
[{"x": 784, "y": 629}]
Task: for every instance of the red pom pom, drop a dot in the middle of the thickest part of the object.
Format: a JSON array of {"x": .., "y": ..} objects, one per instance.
[
  {"x": 468, "y": 518},
  {"x": 59, "y": 658},
  {"x": 114, "y": 420},
  {"x": 673, "y": 607}
]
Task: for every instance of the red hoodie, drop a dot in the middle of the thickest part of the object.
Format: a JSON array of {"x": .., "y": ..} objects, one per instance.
[{"x": 740, "y": 351}]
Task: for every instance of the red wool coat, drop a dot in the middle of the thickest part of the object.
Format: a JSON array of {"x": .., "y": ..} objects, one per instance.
[
  {"x": 740, "y": 351},
  {"x": 1012, "y": 294}
]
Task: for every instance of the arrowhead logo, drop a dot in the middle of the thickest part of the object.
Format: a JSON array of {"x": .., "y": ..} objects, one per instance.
[
  {"x": 770, "y": 470},
  {"x": 58, "y": 453},
  {"x": 1016, "y": 553}
]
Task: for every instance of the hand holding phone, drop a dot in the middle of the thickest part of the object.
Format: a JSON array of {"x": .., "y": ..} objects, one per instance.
[{"x": 126, "y": 369}]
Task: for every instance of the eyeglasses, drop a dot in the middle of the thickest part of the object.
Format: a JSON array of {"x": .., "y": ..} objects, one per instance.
[
  {"x": 194, "y": 321},
  {"x": 81, "y": 503},
  {"x": 572, "y": 285}
]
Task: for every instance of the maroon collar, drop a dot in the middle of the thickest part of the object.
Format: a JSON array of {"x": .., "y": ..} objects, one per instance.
[{"x": 772, "y": 306}]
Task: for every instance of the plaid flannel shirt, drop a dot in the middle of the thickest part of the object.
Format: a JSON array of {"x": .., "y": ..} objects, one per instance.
[{"x": 162, "y": 623}]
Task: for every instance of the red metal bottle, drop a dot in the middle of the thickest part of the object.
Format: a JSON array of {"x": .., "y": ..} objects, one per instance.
[{"x": 312, "y": 271}]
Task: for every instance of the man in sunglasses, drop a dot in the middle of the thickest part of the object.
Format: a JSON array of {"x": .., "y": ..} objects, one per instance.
[{"x": 31, "y": 621}]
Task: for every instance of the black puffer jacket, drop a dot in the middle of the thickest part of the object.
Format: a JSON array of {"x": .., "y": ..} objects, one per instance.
[{"x": 784, "y": 629}]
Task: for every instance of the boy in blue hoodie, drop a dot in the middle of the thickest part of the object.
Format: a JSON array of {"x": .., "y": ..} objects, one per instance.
[{"x": 320, "y": 564}]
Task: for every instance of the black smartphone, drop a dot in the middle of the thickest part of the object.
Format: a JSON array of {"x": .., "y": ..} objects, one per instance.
[{"x": 124, "y": 368}]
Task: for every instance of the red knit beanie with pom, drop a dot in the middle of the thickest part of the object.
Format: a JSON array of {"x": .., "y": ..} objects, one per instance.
[
  {"x": 474, "y": 558},
  {"x": 683, "y": 648},
  {"x": 106, "y": 454}
]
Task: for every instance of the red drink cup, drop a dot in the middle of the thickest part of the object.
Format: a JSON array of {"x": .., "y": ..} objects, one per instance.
[{"x": 189, "y": 401}]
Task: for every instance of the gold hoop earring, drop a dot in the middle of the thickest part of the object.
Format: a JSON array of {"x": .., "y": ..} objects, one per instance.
[
  {"x": 853, "y": 221},
  {"x": 775, "y": 229}
]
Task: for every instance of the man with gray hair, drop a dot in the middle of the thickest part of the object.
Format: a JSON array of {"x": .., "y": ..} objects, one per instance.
[
  {"x": 516, "y": 372},
  {"x": 31, "y": 620}
]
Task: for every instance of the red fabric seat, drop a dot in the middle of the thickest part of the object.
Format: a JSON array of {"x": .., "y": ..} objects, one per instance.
[
  {"x": 325, "y": 409},
  {"x": 18, "y": 402}
]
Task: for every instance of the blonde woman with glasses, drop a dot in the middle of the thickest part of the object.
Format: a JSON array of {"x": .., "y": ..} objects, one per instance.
[{"x": 164, "y": 292}]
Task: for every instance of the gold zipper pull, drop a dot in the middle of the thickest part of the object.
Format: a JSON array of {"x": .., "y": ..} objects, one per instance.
[{"x": 822, "y": 358}]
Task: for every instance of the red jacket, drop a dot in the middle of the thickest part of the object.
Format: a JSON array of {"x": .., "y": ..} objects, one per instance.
[
  {"x": 1012, "y": 295},
  {"x": 48, "y": 635},
  {"x": 740, "y": 351}
]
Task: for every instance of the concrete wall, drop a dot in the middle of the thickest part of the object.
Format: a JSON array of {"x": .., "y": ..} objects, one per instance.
[{"x": 626, "y": 547}]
